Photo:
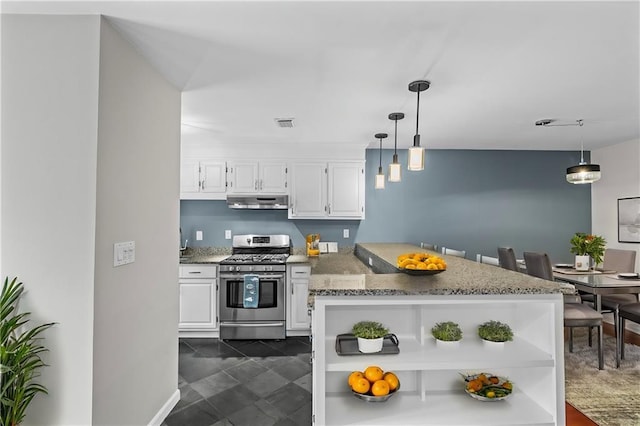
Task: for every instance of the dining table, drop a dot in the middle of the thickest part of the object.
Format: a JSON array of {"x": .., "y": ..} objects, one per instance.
[{"x": 597, "y": 283}]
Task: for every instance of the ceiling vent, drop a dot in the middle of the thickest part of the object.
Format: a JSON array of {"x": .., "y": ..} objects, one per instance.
[{"x": 284, "y": 122}]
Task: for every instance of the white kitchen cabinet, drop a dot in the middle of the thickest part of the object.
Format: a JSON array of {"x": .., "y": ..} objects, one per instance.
[
  {"x": 257, "y": 177},
  {"x": 431, "y": 388},
  {"x": 333, "y": 190},
  {"x": 198, "y": 297},
  {"x": 203, "y": 179},
  {"x": 298, "y": 319}
]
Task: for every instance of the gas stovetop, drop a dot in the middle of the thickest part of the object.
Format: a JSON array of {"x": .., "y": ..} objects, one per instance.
[{"x": 256, "y": 258}]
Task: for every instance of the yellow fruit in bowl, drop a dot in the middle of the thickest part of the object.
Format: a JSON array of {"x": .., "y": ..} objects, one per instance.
[
  {"x": 380, "y": 388},
  {"x": 373, "y": 373},
  {"x": 392, "y": 380}
]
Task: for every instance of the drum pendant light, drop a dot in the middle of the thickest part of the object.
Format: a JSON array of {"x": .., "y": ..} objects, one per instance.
[
  {"x": 416, "y": 152},
  {"x": 395, "y": 174},
  {"x": 380, "y": 175},
  {"x": 583, "y": 172}
]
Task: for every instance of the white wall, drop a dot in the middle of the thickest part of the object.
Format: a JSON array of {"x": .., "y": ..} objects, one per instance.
[
  {"x": 135, "y": 364},
  {"x": 89, "y": 157},
  {"x": 620, "y": 165},
  {"x": 49, "y": 144}
]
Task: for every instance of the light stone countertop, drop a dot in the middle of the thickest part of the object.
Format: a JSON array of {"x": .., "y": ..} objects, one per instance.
[{"x": 462, "y": 277}]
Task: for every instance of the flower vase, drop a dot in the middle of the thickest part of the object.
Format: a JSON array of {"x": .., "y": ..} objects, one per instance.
[{"x": 582, "y": 263}]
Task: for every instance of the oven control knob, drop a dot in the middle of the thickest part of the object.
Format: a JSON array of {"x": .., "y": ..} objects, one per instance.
[
  {"x": 237, "y": 268},
  {"x": 251, "y": 268}
]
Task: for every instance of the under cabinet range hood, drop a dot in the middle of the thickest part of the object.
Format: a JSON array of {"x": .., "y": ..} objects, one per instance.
[{"x": 255, "y": 202}]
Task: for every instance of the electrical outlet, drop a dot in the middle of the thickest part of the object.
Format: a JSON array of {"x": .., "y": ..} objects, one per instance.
[
  {"x": 345, "y": 233},
  {"x": 198, "y": 235},
  {"x": 227, "y": 234}
]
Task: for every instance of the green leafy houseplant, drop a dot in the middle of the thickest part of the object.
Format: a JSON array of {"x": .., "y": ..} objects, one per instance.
[
  {"x": 495, "y": 331},
  {"x": 447, "y": 331},
  {"x": 588, "y": 245},
  {"x": 369, "y": 330},
  {"x": 20, "y": 359}
]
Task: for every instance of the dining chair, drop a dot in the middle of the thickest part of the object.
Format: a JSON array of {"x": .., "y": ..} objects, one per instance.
[
  {"x": 507, "y": 259},
  {"x": 619, "y": 261},
  {"x": 452, "y": 252},
  {"x": 630, "y": 311},
  {"x": 428, "y": 246},
  {"x": 576, "y": 314},
  {"x": 480, "y": 258}
]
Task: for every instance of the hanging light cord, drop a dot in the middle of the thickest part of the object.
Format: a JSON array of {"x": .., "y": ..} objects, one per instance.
[
  {"x": 380, "y": 165},
  {"x": 395, "y": 140},
  {"x": 418, "y": 112},
  {"x": 581, "y": 145}
]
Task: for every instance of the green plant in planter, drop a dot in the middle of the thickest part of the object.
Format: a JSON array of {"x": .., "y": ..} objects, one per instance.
[
  {"x": 447, "y": 331},
  {"x": 495, "y": 331},
  {"x": 369, "y": 330},
  {"x": 20, "y": 360}
]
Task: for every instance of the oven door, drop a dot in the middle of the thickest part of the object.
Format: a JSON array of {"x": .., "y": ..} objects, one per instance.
[{"x": 270, "y": 299}]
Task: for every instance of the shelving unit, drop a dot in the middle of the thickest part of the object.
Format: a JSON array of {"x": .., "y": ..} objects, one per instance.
[{"x": 432, "y": 389}]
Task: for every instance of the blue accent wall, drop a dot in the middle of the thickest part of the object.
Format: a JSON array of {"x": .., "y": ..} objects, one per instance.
[{"x": 464, "y": 199}]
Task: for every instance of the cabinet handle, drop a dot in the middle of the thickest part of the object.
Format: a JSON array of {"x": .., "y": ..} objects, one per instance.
[
  {"x": 255, "y": 185},
  {"x": 203, "y": 184},
  {"x": 292, "y": 288},
  {"x": 261, "y": 185},
  {"x": 195, "y": 272},
  {"x": 329, "y": 208}
]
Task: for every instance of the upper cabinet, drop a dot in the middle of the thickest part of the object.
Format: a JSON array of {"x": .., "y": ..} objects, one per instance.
[
  {"x": 257, "y": 177},
  {"x": 202, "y": 180},
  {"x": 327, "y": 190}
]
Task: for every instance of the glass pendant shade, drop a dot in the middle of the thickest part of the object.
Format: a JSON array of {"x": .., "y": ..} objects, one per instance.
[
  {"x": 416, "y": 155},
  {"x": 380, "y": 176},
  {"x": 395, "y": 174},
  {"x": 416, "y": 152},
  {"x": 583, "y": 173},
  {"x": 380, "y": 179}
]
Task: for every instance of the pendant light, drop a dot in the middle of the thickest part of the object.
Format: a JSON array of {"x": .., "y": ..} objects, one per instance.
[
  {"x": 583, "y": 172},
  {"x": 380, "y": 175},
  {"x": 416, "y": 152},
  {"x": 394, "y": 167}
]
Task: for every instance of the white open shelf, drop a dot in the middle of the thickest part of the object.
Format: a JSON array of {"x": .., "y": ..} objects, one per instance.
[{"x": 443, "y": 408}]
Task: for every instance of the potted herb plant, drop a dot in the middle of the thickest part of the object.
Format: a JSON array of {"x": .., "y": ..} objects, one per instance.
[
  {"x": 495, "y": 332},
  {"x": 587, "y": 247},
  {"x": 446, "y": 332},
  {"x": 370, "y": 335},
  {"x": 20, "y": 351}
]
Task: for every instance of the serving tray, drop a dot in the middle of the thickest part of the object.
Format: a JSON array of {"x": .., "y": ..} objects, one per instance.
[{"x": 347, "y": 344}]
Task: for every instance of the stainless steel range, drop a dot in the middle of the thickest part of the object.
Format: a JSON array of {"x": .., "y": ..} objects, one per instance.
[{"x": 254, "y": 257}]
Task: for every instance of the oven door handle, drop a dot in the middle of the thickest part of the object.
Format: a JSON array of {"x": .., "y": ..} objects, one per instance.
[
  {"x": 261, "y": 277},
  {"x": 262, "y": 324}
]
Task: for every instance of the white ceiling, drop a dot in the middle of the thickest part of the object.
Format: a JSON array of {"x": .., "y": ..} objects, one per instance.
[{"x": 339, "y": 68}]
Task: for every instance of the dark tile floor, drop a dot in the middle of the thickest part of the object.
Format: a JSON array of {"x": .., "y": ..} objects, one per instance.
[{"x": 243, "y": 383}]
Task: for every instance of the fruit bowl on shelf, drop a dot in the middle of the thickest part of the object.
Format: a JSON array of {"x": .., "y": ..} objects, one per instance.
[
  {"x": 372, "y": 398},
  {"x": 487, "y": 387},
  {"x": 420, "y": 264},
  {"x": 373, "y": 384}
]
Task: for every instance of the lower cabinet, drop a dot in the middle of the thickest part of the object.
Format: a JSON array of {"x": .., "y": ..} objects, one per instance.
[
  {"x": 431, "y": 386},
  {"x": 298, "y": 319},
  {"x": 198, "y": 297}
]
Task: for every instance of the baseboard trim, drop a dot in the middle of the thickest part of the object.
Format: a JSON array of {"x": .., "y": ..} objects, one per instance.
[{"x": 165, "y": 409}]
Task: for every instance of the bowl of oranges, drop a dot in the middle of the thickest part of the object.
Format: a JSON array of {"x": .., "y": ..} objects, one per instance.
[
  {"x": 373, "y": 384},
  {"x": 421, "y": 264}
]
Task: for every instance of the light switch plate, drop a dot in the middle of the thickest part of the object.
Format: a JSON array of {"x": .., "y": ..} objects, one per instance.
[
  {"x": 227, "y": 234},
  {"x": 345, "y": 233},
  {"x": 124, "y": 253},
  {"x": 198, "y": 235},
  {"x": 323, "y": 247}
]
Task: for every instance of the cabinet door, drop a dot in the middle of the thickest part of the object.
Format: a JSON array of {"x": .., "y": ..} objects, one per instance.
[
  {"x": 243, "y": 177},
  {"x": 346, "y": 190},
  {"x": 213, "y": 176},
  {"x": 197, "y": 304},
  {"x": 297, "y": 310},
  {"x": 190, "y": 176},
  {"x": 308, "y": 190},
  {"x": 273, "y": 178}
]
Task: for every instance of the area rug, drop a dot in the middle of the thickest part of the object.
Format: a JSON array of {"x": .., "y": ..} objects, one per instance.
[{"x": 609, "y": 397}]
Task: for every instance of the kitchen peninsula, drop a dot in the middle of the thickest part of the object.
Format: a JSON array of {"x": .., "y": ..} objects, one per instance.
[{"x": 432, "y": 390}]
